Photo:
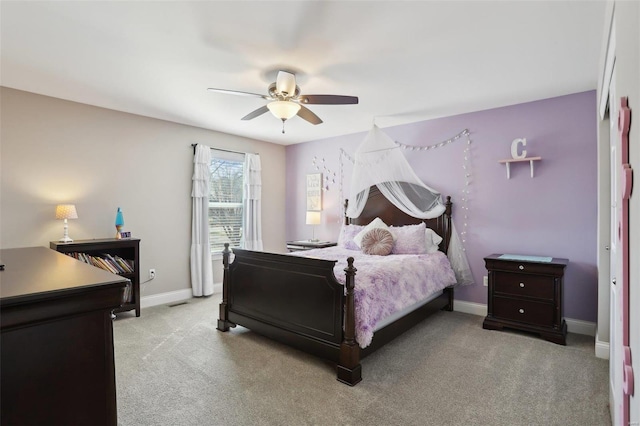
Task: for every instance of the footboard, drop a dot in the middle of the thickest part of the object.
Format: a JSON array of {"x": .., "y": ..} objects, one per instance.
[{"x": 295, "y": 300}]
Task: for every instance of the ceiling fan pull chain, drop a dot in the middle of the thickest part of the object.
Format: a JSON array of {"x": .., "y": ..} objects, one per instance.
[{"x": 283, "y": 120}]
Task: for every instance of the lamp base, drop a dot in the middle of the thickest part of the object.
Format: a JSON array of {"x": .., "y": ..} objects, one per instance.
[{"x": 65, "y": 239}]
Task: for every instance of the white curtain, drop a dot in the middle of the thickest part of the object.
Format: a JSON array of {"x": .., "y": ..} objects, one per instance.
[
  {"x": 252, "y": 226},
  {"x": 201, "y": 269}
]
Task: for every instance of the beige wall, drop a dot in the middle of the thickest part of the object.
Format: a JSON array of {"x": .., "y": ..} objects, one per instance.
[{"x": 54, "y": 151}]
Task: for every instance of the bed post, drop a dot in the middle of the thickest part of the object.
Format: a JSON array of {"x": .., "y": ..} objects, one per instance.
[
  {"x": 449, "y": 292},
  {"x": 447, "y": 214},
  {"x": 448, "y": 231},
  {"x": 223, "y": 321},
  {"x": 349, "y": 369},
  {"x": 346, "y": 218}
]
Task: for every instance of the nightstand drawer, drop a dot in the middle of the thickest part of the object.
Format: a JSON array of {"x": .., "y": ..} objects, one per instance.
[
  {"x": 539, "y": 268},
  {"x": 538, "y": 286},
  {"x": 535, "y": 313}
]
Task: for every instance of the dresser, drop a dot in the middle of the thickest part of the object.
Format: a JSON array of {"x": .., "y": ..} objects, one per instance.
[
  {"x": 57, "y": 339},
  {"x": 525, "y": 293}
]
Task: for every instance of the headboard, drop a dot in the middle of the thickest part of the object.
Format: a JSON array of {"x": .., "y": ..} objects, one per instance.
[{"x": 378, "y": 205}]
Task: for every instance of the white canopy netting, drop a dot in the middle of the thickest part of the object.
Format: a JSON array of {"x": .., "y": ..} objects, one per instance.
[{"x": 379, "y": 161}]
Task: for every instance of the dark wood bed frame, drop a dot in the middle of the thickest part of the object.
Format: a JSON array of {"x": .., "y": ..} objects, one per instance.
[{"x": 299, "y": 302}]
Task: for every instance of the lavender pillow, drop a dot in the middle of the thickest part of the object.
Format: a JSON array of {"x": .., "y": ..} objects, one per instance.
[
  {"x": 410, "y": 239},
  {"x": 347, "y": 234},
  {"x": 377, "y": 241}
]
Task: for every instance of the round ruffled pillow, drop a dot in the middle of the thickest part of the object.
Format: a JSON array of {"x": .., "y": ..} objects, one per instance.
[{"x": 377, "y": 241}]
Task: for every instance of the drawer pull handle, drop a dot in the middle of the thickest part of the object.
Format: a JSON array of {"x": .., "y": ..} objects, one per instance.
[
  {"x": 521, "y": 285},
  {"x": 521, "y": 267},
  {"x": 521, "y": 310}
]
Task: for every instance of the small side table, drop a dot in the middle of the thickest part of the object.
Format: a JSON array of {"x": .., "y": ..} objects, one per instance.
[
  {"x": 308, "y": 245},
  {"x": 526, "y": 294}
]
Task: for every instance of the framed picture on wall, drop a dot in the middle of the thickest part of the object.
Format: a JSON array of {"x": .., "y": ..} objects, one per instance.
[{"x": 314, "y": 192}]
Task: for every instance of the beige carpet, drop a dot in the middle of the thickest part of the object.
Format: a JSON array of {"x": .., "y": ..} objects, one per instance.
[{"x": 174, "y": 368}]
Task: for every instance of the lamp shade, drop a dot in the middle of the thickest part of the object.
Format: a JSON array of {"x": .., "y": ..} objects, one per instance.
[
  {"x": 66, "y": 211},
  {"x": 313, "y": 218},
  {"x": 283, "y": 110}
]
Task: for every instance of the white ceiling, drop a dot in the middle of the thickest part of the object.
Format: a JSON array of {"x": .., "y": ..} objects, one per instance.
[{"x": 406, "y": 60}]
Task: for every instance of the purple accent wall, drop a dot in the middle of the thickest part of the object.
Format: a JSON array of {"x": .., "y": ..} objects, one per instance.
[{"x": 553, "y": 214}]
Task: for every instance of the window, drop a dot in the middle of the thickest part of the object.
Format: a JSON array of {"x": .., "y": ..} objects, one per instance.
[{"x": 225, "y": 199}]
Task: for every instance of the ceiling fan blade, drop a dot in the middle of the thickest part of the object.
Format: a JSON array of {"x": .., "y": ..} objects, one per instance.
[
  {"x": 256, "y": 113},
  {"x": 328, "y": 99},
  {"x": 306, "y": 114},
  {"x": 286, "y": 83},
  {"x": 236, "y": 92}
]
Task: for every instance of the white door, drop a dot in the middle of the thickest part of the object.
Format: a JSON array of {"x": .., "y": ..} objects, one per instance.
[
  {"x": 615, "y": 335},
  {"x": 623, "y": 286}
]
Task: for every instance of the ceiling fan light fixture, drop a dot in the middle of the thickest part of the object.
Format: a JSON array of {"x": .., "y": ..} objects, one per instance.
[{"x": 283, "y": 110}]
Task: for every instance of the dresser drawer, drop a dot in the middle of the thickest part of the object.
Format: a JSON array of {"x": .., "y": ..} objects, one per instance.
[
  {"x": 512, "y": 283},
  {"x": 535, "y": 313}
]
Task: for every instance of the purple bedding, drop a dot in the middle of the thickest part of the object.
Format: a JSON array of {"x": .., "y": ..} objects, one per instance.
[{"x": 387, "y": 284}]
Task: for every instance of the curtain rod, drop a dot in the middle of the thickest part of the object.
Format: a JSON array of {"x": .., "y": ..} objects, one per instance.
[{"x": 219, "y": 149}]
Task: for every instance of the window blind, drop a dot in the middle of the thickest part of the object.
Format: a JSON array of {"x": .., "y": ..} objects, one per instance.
[{"x": 225, "y": 199}]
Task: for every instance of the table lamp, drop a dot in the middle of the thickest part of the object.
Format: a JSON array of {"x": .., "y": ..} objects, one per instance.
[
  {"x": 66, "y": 211},
  {"x": 313, "y": 218}
]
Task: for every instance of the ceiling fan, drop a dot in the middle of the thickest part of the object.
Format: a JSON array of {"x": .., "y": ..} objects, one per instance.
[{"x": 286, "y": 100}]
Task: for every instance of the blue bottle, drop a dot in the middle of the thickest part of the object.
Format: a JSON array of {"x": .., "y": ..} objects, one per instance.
[{"x": 119, "y": 223}]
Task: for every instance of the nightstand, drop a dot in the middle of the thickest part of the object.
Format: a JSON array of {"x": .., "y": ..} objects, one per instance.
[
  {"x": 525, "y": 293},
  {"x": 308, "y": 245}
]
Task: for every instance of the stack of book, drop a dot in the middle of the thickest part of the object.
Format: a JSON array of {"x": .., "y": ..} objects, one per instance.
[{"x": 108, "y": 262}]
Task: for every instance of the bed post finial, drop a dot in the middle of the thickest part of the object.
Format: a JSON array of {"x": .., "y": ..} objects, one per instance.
[
  {"x": 223, "y": 321},
  {"x": 349, "y": 369}
]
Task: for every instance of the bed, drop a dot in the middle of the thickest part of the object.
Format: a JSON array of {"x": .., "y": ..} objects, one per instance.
[{"x": 300, "y": 302}]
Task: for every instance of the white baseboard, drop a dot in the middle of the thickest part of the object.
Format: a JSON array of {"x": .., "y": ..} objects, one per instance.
[
  {"x": 172, "y": 297},
  {"x": 165, "y": 298},
  {"x": 470, "y": 308},
  {"x": 573, "y": 326},
  {"x": 602, "y": 348},
  {"x": 587, "y": 328}
]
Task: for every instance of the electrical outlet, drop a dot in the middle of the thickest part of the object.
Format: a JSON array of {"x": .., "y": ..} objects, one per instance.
[
  {"x": 485, "y": 281},
  {"x": 152, "y": 274}
]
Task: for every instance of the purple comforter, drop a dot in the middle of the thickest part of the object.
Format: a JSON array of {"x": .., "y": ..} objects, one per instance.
[{"x": 387, "y": 284}]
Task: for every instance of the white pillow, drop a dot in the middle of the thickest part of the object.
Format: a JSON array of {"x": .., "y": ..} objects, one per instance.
[
  {"x": 432, "y": 240},
  {"x": 375, "y": 223}
]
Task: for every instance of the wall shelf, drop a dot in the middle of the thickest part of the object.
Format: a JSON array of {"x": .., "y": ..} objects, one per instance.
[{"x": 508, "y": 162}]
